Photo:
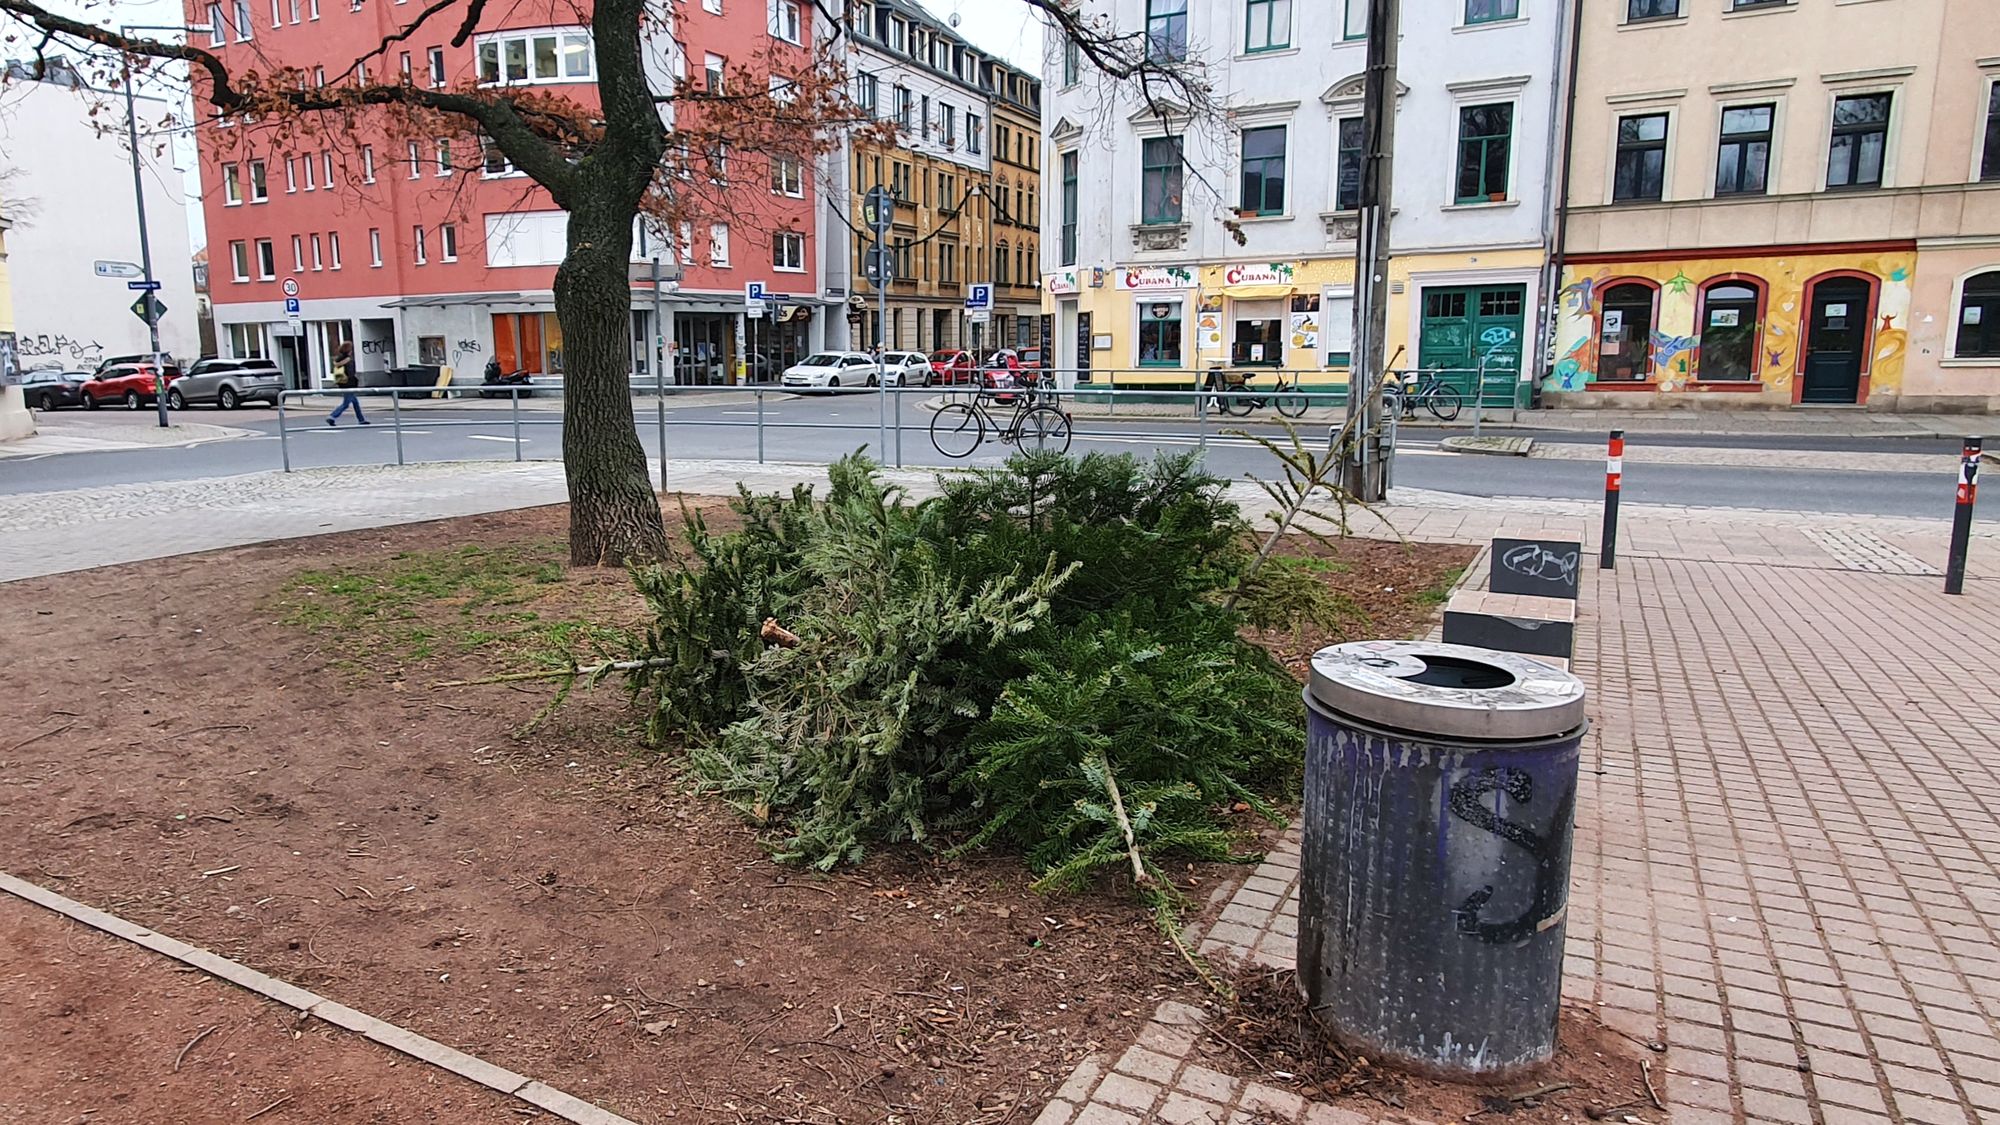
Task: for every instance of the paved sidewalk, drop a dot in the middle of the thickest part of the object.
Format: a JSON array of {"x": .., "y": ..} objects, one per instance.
[{"x": 54, "y": 436}]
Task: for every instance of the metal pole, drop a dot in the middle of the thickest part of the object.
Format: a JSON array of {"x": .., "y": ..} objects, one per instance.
[
  {"x": 146, "y": 298},
  {"x": 660, "y": 353},
  {"x": 1961, "y": 518},
  {"x": 1201, "y": 416},
  {"x": 1478, "y": 393},
  {"x": 1614, "y": 480},
  {"x": 396, "y": 409},
  {"x": 514, "y": 399},
  {"x": 284, "y": 442},
  {"x": 760, "y": 425},
  {"x": 1364, "y": 478}
]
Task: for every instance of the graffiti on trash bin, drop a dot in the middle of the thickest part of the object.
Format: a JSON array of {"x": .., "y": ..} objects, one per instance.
[
  {"x": 1545, "y": 905},
  {"x": 1536, "y": 561}
]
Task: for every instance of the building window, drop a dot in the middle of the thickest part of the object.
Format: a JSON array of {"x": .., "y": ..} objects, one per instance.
[
  {"x": 1860, "y": 138},
  {"x": 298, "y": 254},
  {"x": 527, "y": 58},
  {"x": 232, "y": 186},
  {"x": 375, "y": 247},
  {"x": 1625, "y": 334},
  {"x": 1166, "y": 30},
  {"x": 1347, "y": 170},
  {"x": 1068, "y": 160},
  {"x": 1491, "y": 11},
  {"x": 448, "y": 242},
  {"x": 1636, "y": 10},
  {"x": 1979, "y": 317},
  {"x": 1159, "y": 333},
  {"x": 903, "y": 104},
  {"x": 788, "y": 252},
  {"x": 1743, "y": 153},
  {"x": 291, "y": 175},
  {"x": 239, "y": 261},
  {"x": 326, "y": 163},
  {"x": 718, "y": 245},
  {"x": 494, "y": 163},
  {"x": 1728, "y": 330},
  {"x": 786, "y": 21},
  {"x": 974, "y": 126},
  {"x": 1989, "y": 155},
  {"x": 242, "y": 20},
  {"x": 924, "y": 116},
  {"x": 406, "y": 69},
  {"x": 443, "y": 157},
  {"x": 1263, "y": 171},
  {"x": 267, "y": 259},
  {"x": 1641, "y": 171},
  {"x": 367, "y": 164},
  {"x": 319, "y": 259},
  {"x": 1267, "y": 24},
  {"x": 788, "y": 176},
  {"x": 1485, "y": 137},
  {"x": 713, "y": 70},
  {"x": 1160, "y": 164},
  {"x": 333, "y": 249},
  {"x": 415, "y": 153},
  {"x": 1072, "y": 61},
  {"x": 866, "y": 87},
  {"x": 713, "y": 7},
  {"x": 437, "y": 66},
  {"x": 246, "y": 341},
  {"x": 218, "y": 32},
  {"x": 1260, "y": 334},
  {"x": 308, "y": 161},
  {"x": 420, "y": 249},
  {"x": 260, "y": 188}
]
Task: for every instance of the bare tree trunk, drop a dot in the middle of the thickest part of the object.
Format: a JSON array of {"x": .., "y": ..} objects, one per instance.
[{"x": 614, "y": 515}]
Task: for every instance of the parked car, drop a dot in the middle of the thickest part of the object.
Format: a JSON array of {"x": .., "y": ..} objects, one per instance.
[
  {"x": 1034, "y": 358},
  {"x": 951, "y": 365},
  {"x": 907, "y": 369},
  {"x": 129, "y": 383},
  {"x": 228, "y": 383},
  {"x": 831, "y": 370},
  {"x": 51, "y": 389}
]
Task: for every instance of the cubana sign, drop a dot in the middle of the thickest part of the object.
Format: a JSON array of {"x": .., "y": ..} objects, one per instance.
[
  {"x": 1156, "y": 278},
  {"x": 1062, "y": 283},
  {"x": 1259, "y": 273}
]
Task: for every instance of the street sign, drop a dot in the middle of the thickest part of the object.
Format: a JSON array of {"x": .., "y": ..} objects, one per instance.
[
  {"x": 979, "y": 316},
  {"x": 753, "y": 292},
  {"x": 291, "y": 287},
  {"x": 881, "y": 266},
  {"x": 139, "y": 307},
  {"x": 878, "y": 210},
  {"x": 116, "y": 269},
  {"x": 981, "y": 298},
  {"x": 291, "y": 308},
  {"x": 755, "y": 309},
  {"x": 145, "y": 286}
]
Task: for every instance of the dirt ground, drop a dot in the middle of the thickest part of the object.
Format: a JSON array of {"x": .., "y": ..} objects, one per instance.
[
  {"x": 239, "y": 767},
  {"x": 120, "y": 1017}
]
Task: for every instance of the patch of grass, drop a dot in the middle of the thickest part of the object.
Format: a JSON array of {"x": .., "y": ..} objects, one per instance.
[
  {"x": 509, "y": 601},
  {"x": 1441, "y": 593}
]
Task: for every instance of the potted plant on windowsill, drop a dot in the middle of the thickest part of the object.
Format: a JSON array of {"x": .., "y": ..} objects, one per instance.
[{"x": 1496, "y": 197}]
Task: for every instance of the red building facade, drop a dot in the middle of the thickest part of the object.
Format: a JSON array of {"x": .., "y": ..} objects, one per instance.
[{"x": 431, "y": 250}]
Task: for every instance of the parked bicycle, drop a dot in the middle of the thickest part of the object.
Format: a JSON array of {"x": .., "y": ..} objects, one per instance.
[
  {"x": 1234, "y": 396},
  {"x": 959, "y": 428},
  {"x": 1421, "y": 388}
]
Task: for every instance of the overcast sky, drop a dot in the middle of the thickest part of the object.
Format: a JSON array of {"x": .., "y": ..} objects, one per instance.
[{"x": 1008, "y": 28}]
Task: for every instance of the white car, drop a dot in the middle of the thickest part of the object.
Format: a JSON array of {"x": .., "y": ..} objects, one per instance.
[
  {"x": 907, "y": 369},
  {"x": 831, "y": 371}
]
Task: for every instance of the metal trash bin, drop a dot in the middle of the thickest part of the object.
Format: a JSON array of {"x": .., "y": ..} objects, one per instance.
[{"x": 1440, "y": 790}]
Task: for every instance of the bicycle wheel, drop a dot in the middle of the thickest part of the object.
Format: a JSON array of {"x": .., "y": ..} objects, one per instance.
[
  {"x": 1044, "y": 428},
  {"x": 1442, "y": 403},
  {"x": 1240, "y": 403},
  {"x": 957, "y": 429},
  {"x": 1289, "y": 401}
]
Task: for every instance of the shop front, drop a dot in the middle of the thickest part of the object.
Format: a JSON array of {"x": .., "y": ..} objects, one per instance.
[{"x": 1735, "y": 330}]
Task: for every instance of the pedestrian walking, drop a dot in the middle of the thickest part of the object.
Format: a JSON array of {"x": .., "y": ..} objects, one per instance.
[{"x": 343, "y": 377}]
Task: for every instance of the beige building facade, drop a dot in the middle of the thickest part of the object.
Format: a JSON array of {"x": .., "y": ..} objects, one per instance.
[{"x": 1782, "y": 203}]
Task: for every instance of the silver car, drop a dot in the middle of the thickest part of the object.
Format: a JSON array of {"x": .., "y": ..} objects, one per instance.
[{"x": 228, "y": 383}]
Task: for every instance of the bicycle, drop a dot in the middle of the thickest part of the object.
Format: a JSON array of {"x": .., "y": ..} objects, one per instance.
[
  {"x": 1233, "y": 397},
  {"x": 1423, "y": 388},
  {"x": 959, "y": 428}
]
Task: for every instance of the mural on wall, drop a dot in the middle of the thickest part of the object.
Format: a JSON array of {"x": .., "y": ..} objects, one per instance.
[{"x": 1675, "y": 339}]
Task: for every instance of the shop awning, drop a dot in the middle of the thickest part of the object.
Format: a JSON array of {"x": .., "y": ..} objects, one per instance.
[{"x": 1256, "y": 292}]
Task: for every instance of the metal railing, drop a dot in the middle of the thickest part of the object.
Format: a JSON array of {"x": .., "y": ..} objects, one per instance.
[{"x": 1121, "y": 411}]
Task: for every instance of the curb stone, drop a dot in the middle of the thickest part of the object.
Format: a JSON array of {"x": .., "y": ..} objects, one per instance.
[{"x": 1490, "y": 446}]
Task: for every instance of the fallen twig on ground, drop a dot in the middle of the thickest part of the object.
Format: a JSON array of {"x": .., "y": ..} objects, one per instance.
[
  {"x": 199, "y": 1036},
  {"x": 269, "y": 1108}
]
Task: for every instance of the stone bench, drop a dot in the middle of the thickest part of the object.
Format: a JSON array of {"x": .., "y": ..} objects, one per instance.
[{"x": 1522, "y": 623}]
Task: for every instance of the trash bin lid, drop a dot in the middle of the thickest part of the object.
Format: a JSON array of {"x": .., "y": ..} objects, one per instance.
[{"x": 1451, "y": 691}]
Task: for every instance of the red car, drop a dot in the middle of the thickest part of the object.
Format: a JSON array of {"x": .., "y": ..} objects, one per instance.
[
  {"x": 131, "y": 384},
  {"x": 952, "y": 365}
]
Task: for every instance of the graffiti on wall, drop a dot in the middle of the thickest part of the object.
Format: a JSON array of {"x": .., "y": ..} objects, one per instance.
[
  {"x": 463, "y": 348},
  {"x": 1675, "y": 338},
  {"x": 43, "y": 349}
]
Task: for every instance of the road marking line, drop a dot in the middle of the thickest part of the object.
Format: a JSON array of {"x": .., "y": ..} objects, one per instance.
[{"x": 387, "y": 1034}]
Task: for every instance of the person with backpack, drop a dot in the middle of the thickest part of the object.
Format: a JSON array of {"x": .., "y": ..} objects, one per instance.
[{"x": 343, "y": 378}]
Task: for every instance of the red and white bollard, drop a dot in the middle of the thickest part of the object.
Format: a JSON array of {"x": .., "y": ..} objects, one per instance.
[
  {"x": 1961, "y": 518},
  {"x": 1614, "y": 479}
]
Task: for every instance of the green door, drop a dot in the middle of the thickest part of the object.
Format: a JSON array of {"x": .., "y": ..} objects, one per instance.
[{"x": 1463, "y": 326}]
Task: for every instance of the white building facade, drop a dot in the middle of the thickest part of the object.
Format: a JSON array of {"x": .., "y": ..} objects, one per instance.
[{"x": 1176, "y": 242}]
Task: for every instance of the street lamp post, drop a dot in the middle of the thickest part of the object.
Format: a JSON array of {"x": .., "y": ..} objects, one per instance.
[{"x": 147, "y": 300}]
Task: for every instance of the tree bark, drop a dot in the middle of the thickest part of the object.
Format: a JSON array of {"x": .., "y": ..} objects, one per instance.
[{"x": 614, "y": 515}]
